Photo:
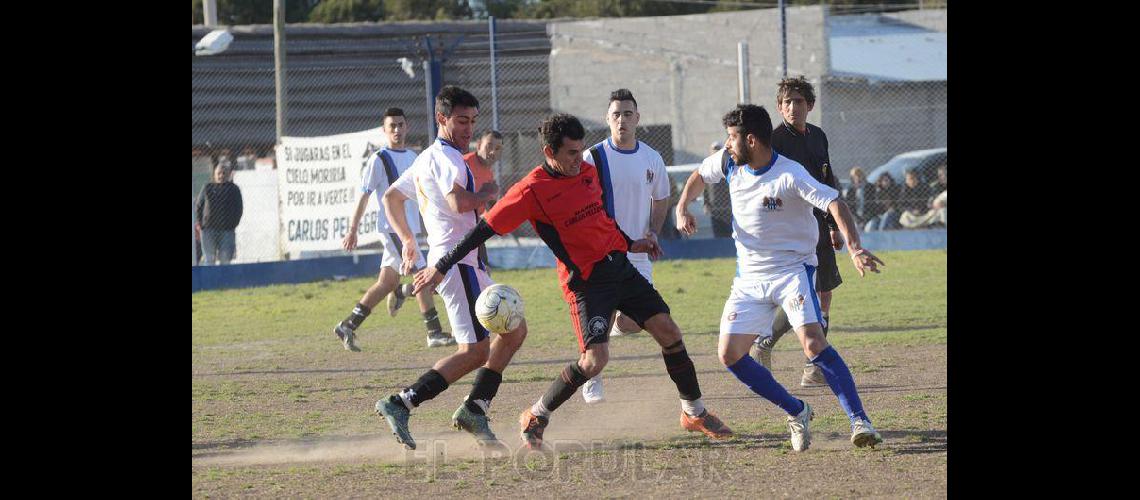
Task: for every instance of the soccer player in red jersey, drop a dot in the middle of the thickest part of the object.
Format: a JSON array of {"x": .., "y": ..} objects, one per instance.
[{"x": 563, "y": 200}]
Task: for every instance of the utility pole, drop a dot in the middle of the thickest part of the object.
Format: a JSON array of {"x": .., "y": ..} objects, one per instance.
[{"x": 279, "y": 63}]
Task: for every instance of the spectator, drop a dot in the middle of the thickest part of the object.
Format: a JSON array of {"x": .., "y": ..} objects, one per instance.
[
  {"x": 482, "y": 160},
  {"x": 858, "y": 194},
  {"x": 938, "y": 185},
  {"x": 916, "y": 197},
  {"x": 936, "y": 216},
  {"x": 219, "y": 210},
  {"x": 717, "y": 204},
  {"x": 482, "y": 165},
  {"x": 884, "y": 205}
]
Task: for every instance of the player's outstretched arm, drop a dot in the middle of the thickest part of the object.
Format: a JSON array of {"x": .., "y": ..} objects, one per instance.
[
  {"x": 462, "y": 201},
  {"x": 646, "y": 245},
  {"x": 433, "y": 275},
  {"x": 349, "y": 242},
  {"x": 686, "y": 223},
  {"x": 862, "y": 258},
  {"x": 393, "y": 201}
]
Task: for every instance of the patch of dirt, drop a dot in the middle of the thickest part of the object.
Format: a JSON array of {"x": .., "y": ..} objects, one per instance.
[{"x": 629, "y": 445}]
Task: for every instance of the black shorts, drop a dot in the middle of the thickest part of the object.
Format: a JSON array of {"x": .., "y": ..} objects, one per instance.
[
  {"x": 614, "y": 285},
  {"x": 827, "y": 274}
]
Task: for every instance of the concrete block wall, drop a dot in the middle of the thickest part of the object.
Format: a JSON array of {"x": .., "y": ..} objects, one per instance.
[
  {"x": 931, "y": 19},
  {"x": 682, "y": 69}
]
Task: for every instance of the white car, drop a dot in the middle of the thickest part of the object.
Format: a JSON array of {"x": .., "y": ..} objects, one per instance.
[{"x": 678, "y": 175}]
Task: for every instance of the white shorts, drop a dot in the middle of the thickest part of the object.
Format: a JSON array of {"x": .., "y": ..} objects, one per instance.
[
  {"x": 751, "y": 307},
  {"x": 645, "y": 267},
  {"x": 393, "y": 253},
  {"x": 459, "y": 289}
]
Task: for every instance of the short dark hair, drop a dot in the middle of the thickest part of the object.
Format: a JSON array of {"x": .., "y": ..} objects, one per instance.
[
  {"x": 561, "y": 125},
  {"x": 751, "y": 119},
  {"x": 798, "y": 84},
  {"x": 496, "y": 133},
  {"x": 392, "y": 112},
  {"x": 623, "y": 95},
  {"x": 451, "y": 96}
]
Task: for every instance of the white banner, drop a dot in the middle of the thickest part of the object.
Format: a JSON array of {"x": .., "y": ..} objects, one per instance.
[{"x": 318, "y": 187}]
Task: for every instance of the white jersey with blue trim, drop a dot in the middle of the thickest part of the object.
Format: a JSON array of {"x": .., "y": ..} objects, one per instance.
[
  {"x": 376, "y": 177},
  {"x": 772, "y": 220},
  {"x": 431, "y": 177},
  {"x": 631, "y": 180}
]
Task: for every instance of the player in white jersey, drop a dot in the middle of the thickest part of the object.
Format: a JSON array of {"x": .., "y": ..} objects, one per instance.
[
  {"x": 381, "y": 170},
  {"x": 635, "y": 189},
  {"x": 776, "y": 234},
  {"x": 445, "y": 188}
]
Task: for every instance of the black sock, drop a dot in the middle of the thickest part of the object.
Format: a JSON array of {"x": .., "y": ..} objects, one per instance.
[
  {"x": 357, "y": 316},
  {"x": 431, "y": 321},
  {"x": 399, "y": 291},
  {"x": 563, "y": 387},
  {"x": 486, "y": 386},
  {"x": 427, "y": 387},
  {"x": 683, "y": 373}
]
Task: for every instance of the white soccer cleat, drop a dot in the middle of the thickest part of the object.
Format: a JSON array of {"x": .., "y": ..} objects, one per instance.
[
  {"x": 799, "y": 427},
  {"x": 863, "y": 434},
  {"x": 592, "y": 390}
]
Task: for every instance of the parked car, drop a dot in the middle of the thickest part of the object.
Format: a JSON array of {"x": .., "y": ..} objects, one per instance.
[
  {"x": 678, "y": 175},
  {"x": 923, "y": 161}
]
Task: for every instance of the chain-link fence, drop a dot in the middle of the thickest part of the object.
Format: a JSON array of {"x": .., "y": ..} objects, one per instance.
[{"x": 342, "y": 81}]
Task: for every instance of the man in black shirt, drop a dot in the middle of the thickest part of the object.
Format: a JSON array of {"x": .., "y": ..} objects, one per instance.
[
  {"x": 218, "y": 211},
  {"x": 805, "y": 143}
]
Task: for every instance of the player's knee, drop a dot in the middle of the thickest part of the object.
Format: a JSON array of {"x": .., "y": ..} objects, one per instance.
[
  {"x": 475, "y": 354},
  {"x": 814, "y": 344},
  {"x": 627, "y": 325},
  {"x": 729, "y": 355},
  {"x": 726, "y": 358},
  {"x": 592, "y": 362},
  {"x": 520, "y": 331},
  {"x": 664, "y": 330}
]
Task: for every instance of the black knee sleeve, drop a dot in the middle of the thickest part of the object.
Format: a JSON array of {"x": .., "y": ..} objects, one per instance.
[
  {"x": 568, "y": 381},
  {"x": 683, "y": 373}
]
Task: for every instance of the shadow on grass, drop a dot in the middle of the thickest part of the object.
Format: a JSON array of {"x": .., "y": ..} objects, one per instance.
[{"x": 915, "y": 442}]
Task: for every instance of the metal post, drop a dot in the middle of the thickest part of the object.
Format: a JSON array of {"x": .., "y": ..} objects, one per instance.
[
  {"x": 742, "y": 72},
  {"x": 494, "y": 78},
  {"x": 430, "y": 99},
  {"x": 210, "y": 12},
  {"x": 193, "y": 233},
  {"x": 783, "y": 38},
  {"x": 279, "y": 63}
]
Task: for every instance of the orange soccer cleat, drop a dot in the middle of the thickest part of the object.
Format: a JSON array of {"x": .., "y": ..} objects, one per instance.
[
  {"x": 532, "y": 428},
  {"x": 706, "y": 423}
]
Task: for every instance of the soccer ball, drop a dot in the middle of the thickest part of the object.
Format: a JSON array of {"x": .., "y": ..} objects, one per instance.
[{"x": 499, "y": 308}]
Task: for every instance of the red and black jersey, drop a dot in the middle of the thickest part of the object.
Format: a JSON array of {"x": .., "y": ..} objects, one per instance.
[{"x": 567, "y": 213}]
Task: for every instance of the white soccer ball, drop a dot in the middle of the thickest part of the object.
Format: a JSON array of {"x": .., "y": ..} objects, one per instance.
[{"x": 499, "y": 308}]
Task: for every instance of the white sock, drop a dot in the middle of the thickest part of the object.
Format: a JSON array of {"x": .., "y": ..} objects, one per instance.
[
  {"x": 614, "y": 330},
  {"x": 693, "y": 408},
  {"x": 407, "y": 399},
  {"x": 539, "y": 410},
  {"x": 481, "y": 403}
]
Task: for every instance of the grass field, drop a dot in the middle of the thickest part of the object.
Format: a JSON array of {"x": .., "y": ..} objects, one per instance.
[{"x": 279, "y": 408}]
